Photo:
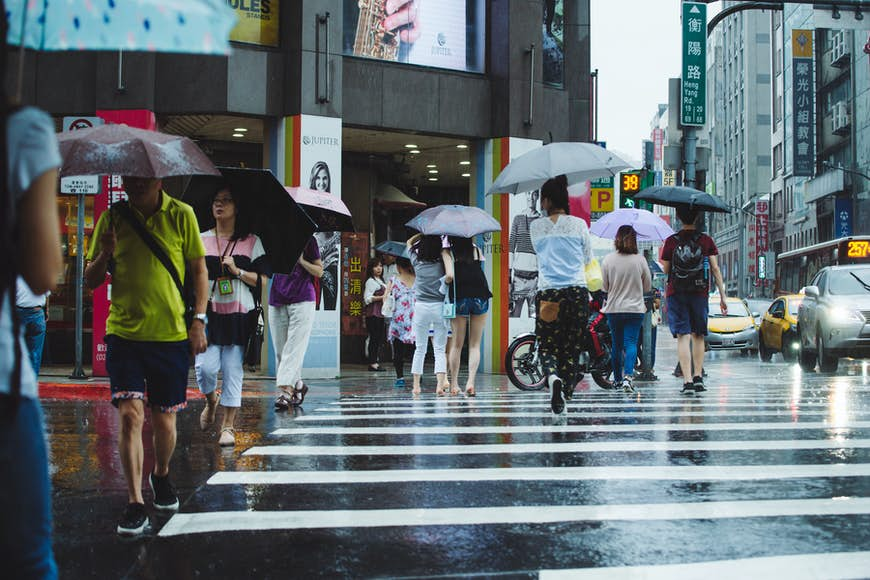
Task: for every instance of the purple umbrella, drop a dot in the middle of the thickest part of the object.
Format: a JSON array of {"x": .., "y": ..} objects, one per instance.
[
  {"x": 454, "y": 220},
  {"x": 649, "y": 226}
]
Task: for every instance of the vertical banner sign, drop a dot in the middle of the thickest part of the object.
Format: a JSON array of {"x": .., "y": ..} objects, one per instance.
[
  {"x": 843, "y": 217},
  {"x": 762, "y": 221},
  {"x": 658, "y": 143},
  {"x": 601, "y": 197},
  {"x": 354, "y": 256},
  {"x": 693, "y": 101},
  {"x": 802, "y": 101}
]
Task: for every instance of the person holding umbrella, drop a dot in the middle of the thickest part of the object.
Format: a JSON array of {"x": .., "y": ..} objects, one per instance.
[
  {"x": 237, "y": 266},
  {"x": 563, "y": 246},
  {"x": 626, "y": 277}
]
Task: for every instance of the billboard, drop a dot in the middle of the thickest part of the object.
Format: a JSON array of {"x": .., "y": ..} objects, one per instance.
[
  {"x": 445, "y": 34},
  {"x": 257, "y": 22},
  {"x": 552, "y": 35}
]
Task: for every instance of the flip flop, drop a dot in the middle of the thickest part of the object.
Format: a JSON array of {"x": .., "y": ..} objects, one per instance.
[{"x": 470, "y": 393}]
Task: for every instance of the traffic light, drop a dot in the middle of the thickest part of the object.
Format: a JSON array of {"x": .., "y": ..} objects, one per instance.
[{"x": 630, "y": 183}]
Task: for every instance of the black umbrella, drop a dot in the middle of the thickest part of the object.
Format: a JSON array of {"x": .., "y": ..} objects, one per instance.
[
  {"x": 676, "y": 196},
  {"x": 271, "y": 213}
]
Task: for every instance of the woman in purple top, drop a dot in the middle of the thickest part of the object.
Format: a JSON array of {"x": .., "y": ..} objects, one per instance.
[{"x": 291, "y": 316}]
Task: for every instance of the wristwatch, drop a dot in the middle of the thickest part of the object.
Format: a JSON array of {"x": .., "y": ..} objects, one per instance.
[{"x": 201, "y": 316}]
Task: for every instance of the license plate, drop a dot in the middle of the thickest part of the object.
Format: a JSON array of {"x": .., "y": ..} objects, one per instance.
[{"x": 727, "y": 342}]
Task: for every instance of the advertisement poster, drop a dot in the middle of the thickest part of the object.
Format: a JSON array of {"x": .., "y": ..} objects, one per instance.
[
  {"x": 257, "y": 22},
  {"x": 320, "y": 169},
  {"x": 445, "y": 34},
  {"x": 354, "y": 258},
  {"x": 553, "y": 33}
]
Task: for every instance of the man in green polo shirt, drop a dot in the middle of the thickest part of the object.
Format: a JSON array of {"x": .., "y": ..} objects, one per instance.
[{"x": 148, "y": 346}]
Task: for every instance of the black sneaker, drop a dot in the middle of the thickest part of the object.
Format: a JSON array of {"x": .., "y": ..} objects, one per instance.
[
  {"x": 134, "y": 520},
  {"x": 688, "y": 389},
  {"x": 698, "y": 384},
  {"x": 557, "y": 397},
  {"x": 164, "y": 493}
]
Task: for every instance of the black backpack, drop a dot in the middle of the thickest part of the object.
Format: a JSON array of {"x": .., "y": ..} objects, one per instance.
[{"x": 688, "y": 271}]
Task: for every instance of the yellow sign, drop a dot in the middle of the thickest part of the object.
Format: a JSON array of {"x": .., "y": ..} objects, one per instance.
[
  {"x": 629, "y": 183},
  {"x": 802, "y": 43},
  {"x": 601, "y": 199},
  {"x": 258, "y": 22}
]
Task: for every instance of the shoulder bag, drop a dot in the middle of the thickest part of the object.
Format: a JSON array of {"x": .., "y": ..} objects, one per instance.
[{"x": 256, "y": 327}]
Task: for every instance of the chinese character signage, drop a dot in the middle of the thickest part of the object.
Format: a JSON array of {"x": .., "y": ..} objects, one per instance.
[
  {"x": 843, "y": 218},
  {"x": 658, "y": 142},
  {"x": 354, "y": 257},
  {"x": 693, "y": 100},
  {"x": 762, "y": 223},
  {"x": 802, "y": 101}
]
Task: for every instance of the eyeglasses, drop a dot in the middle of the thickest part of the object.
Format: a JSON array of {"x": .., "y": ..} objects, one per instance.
[{"x": 222, "y": 200}]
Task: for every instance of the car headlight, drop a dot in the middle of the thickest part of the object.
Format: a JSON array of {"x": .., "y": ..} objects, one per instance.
[{"x": 839, "y": 314}]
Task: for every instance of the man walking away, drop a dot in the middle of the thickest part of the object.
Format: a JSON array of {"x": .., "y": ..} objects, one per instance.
[
  {"x": 688, "y": 258},
  {"x": 148, "y": 343}
]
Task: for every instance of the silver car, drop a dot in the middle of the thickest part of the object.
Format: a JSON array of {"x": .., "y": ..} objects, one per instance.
[{"x": 834, "y": 318}]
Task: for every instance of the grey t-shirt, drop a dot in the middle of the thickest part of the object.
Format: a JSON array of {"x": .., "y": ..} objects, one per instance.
[
  {"x": 428, "y": 280},
  {"x": 32, "y": 150}
]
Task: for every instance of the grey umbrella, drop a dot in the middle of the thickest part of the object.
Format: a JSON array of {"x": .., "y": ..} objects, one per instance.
[{"x": 454, "y": 220}]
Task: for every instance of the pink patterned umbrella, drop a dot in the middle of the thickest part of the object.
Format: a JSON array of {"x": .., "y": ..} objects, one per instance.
[{"x": 325, "y": 209}]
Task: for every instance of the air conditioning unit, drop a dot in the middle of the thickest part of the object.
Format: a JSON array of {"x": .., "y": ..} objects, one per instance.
[
  {"x": 841, "y": 121},
  {"x": 839, "y": 49}
]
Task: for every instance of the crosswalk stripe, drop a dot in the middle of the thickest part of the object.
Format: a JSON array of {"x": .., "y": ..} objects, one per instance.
[
  {"x": 509, "y": 429},
  {"x": 794, "y": 567},
  {"x": 577, "y": 447},
  {"x": 532, "y": 414},
  {"x": 638, "y": 472},
  {"x": 198, "y": 523},
  {"x": 584, "y": 405},
  {"x": 602, "y": 397}
]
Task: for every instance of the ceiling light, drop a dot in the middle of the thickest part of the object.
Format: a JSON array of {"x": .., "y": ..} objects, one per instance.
[
  {"x": 238, "y": 134},
  {"x": 466, "y": 175},
  {"x": 431, "y": 166},
  {"x": 465, "y": 162},
  {"x": 433, "y": 179},
  {"x": 462, "y": 146},
  {"x": 433, "y": 171},
  {"x": 240, "y": 130},
  {"x": 414, "y": 151},
  {"x": 410, "y": 146}
]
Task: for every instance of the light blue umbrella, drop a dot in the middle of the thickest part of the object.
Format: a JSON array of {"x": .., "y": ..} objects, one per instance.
[
  {"x": 189, "y": 26},
  {"x": 649, "y": 226},
  {"x": 454, "y": 220}
]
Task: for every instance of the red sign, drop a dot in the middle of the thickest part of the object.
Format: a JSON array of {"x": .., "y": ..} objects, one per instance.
[
  {"x": 354, "y": 258},
  {"x": 762, "y": 221}
]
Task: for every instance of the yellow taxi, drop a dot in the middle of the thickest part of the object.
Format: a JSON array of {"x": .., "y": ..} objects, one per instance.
[
  {"x": 778, "y": 332},
  {"x": 735, "y": 331}
]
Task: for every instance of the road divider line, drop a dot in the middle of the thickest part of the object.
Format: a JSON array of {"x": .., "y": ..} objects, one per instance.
[{"x": 210, "y": 522}]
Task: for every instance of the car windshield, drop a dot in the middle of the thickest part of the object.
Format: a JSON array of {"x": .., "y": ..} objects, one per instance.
[
  {"x": 793, "y": 306},
  {"x": 735, "y": 310},
  {"x": 851, "y": 281}
]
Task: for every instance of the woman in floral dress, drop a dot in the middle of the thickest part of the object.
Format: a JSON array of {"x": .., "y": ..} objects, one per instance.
[{"x": 401, "y": 288}]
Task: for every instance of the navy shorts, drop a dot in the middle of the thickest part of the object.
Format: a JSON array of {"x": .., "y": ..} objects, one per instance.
[
  {"x": 687, "y": 314},
  {"x": 154, "y": 372},
  {"x": 472, "y": 306}
]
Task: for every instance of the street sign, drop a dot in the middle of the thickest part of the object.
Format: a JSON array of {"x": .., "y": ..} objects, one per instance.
[
  {"x": 86, "y": 184},
  {"x": 693, "y": 98}
]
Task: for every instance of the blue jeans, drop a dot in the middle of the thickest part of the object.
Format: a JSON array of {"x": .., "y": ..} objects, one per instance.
[
  {"x": 25, "y": 493},
  {"x": 625, "y": 329},
  {"x": 33, "y": 324}
]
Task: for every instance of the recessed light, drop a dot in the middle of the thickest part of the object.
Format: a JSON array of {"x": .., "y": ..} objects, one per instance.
[
  {"x": 410, "y": 146},
  {"x": 238, "y": 134},
  {"x": 433, "y": 171},
  {"x": 431, "y": 166},
  {"x": 433, "y": 179},
  {"x": 414, "y": 151},
  {"x": 462, "y": 146},
  {"x": 465, "y": 162},
  {"x": 466, "y": 175},
  {"x": 240, "y": 130}
]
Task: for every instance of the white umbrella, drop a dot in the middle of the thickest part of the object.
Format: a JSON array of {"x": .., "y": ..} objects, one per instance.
[
  {"x": 649, "y": 226},
  {"x": 577, "y": 161}
]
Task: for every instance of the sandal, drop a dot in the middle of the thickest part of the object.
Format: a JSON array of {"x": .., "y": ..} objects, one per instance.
[
  {"x": 469, "y": 392},
  {"x": 285, "y": 400},
  {"x": 206, "y": 418},
  {"x": 454, "y": 390},
  {"x": 228, "y": 437},
  {"x": 299, "y": 395}
]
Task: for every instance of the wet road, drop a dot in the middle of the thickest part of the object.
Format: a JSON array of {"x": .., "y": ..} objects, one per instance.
[{"x": 763, "y": 475}]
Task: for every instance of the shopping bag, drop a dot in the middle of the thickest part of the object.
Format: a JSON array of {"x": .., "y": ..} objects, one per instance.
[{"x": 594, "y": 279}]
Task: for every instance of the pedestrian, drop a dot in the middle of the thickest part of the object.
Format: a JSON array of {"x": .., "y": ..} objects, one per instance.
[
  {"x": 373, "y": 296},
  {"x": 291, "y": 318},
  {"x": 32, "y": 314},
  {"x": 688, "y": 258},
  {"x": 433, "y": 265},
  {"x": 625, "y": 277},
  {"x": 30, "y": 244},
  {"x": 563, "y": 247},
  {"x": 472, "y": 306},
  {"x": 237, "y": 268},
  {"x": 401, "y": 289},
  {"x": 147, "y": 340}
]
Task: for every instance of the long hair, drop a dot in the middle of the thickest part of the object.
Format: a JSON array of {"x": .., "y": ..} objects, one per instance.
[
  {"x": 370, "y": 268},
  {"x": 318, "y": 167},
  {"x": 428, "y": 248},
  {"x": 463, "y": 249},
  {"x": 626, "y": 240},
  {"x": 241, "y": 227},
  {"x": 556, "y": 190},
  {"x": 404, "y": 264}
]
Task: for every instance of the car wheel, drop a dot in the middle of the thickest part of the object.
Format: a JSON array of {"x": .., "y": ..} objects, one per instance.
[
  {"x": 788, "y": 353},
  {"x": 763, "y": 352},
  {"x": 827, "y": 362},
  {"x": 807, "y": 359}
]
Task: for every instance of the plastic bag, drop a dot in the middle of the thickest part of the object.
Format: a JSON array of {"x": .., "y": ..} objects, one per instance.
[{"x": 594, "y": 279}]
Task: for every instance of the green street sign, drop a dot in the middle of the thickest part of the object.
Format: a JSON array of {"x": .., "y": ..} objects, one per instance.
[{"x": 693, "y": 88}]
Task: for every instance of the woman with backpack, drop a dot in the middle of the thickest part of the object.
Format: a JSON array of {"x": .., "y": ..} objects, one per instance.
[{"x": 625, "y": 275}]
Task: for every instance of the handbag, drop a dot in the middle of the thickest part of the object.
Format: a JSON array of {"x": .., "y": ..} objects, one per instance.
[
  {"x": 375, "y": 307},
  {"x": 448, "y": 309},
  {"x": 256, "y": 328}
]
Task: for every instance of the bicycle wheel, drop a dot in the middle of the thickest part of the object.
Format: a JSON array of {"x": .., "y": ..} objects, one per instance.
[
  {"x": 521, "y": 365},
  {"x": 601, "y": 369}
]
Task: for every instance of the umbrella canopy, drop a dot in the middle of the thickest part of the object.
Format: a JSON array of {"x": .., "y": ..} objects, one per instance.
[
  {"x": 677, "y": 195},
  {"x": 577, "y": 161},
  {"x": 191, "y": 26},
  {"x": 649, "y": 226},
  {"x": 123, "y": 150},
  {"x": 327, "y": 210},
  {"x": 263, "y": 203},
  {"x": 398, "y": 249},
  {"x": 454, "y": 220},
  {"x": 391, "y": 196}
]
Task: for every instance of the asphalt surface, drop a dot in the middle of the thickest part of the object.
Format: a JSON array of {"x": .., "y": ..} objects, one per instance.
[{"x": 764, "y": 475}]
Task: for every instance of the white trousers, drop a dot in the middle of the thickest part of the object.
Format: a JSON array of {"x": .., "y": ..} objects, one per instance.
[
  {"x": 228, "y": 360},
  {"x": 290, "y": 327},
  {"x": 428, "y": 314}
]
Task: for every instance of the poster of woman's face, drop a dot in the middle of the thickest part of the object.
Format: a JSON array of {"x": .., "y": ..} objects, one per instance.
[
  {"x": 329, "y": 244},
  {"x": 320, "y": 179}
]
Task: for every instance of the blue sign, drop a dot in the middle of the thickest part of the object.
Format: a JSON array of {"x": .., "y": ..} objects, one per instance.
[{"x": 843, "y": 218}]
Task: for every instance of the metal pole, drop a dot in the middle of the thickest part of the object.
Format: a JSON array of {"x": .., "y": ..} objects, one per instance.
[
  {"x": 78, "y": 373},
  {"x": 690, "y": 140}
]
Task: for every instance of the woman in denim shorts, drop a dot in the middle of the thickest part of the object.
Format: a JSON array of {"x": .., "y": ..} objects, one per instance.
[{"x": 472, "y": 302}]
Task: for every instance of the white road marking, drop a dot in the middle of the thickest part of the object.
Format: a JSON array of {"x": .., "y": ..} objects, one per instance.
[
  {"x": 636, "y": 472},
  {"x": 470, "y": 414},
  {"x": 210, "y": 522},
  {"x": 627, "y": 406}
]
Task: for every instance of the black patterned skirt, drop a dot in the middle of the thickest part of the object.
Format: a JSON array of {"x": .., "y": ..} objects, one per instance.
[{"x": 562, "y": 315}]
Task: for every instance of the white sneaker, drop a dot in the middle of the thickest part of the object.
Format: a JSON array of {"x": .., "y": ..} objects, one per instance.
[
  {"x": 228, "y": 437},
  {"x": 627, "y": 386},
  {"x": 557, "y": 397}
]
